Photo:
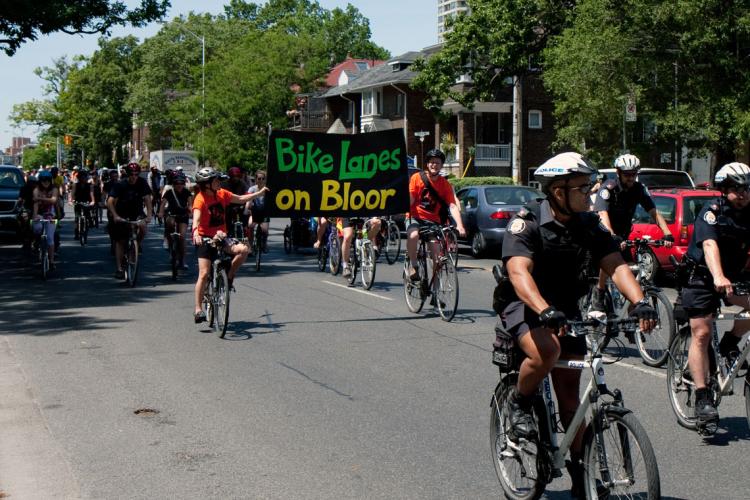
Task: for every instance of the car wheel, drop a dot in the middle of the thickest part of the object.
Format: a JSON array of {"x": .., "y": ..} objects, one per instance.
[
  {"x": 650, "y": 265},
  {"x": 478, "y": 244}
]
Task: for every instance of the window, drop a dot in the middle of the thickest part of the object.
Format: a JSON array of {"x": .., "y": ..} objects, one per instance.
[
  {"x": 372, "y": 102},
  {"x": 400, "y": 104},
  {"x": 362, "y": 66},
  {"x": 366, "y": 103},
  {"x": 692, "y": 206},
  {"x": 535, "y": 119},
  {"x": 666, "y": 207}
]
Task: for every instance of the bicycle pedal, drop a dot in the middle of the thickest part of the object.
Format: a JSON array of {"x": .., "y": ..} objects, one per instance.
[{"x": 707, "y": 428}]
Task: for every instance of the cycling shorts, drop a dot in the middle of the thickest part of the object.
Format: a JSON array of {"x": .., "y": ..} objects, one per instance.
[{"x": 517, "y": 319}]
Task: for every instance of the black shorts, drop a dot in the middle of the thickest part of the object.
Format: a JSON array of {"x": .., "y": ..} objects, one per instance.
[
  {"x": 204, "y": 251},
  {"x": 700, "y": 301},
  {"x": 119, "y": 231},
  {"x": 517, "y": 319},
  {"x": 259, "y": 216},
  {"x": 179, "y": 219}
]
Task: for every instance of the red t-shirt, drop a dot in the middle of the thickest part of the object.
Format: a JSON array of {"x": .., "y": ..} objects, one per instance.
[
  {"x": 213, "y": 212},
  {"x": 424, "y": 206}
]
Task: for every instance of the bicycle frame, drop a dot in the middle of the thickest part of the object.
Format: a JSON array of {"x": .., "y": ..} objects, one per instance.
[{"x": 725, "y": 375}]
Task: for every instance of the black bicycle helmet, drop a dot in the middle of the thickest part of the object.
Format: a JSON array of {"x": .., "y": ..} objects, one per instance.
[{"x": 434, "y": 153}]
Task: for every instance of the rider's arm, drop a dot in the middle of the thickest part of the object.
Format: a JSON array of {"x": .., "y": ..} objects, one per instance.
[
  {"x": 660, "y": 221},
  {"x": 196, "y": 224},
  {"x": 519, "y": 270},
  {"x": 111, "y": 202},
  {"x": 162, "y": 207},
  {"x": 249, "y": 196},
  {"x": 148, "y": 201},
  {"x": 604, "y": 217},
  {"x": 713, "y": 261}
]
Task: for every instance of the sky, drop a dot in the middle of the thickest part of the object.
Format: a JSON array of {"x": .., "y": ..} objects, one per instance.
[{"x": 397, "y": 25}]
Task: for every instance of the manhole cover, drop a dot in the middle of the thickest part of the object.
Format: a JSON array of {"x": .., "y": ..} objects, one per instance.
[{"x": 146, "y": 412}]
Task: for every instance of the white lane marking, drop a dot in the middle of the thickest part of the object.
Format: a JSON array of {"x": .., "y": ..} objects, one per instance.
[
  {"x": 357, "y": 290},
  {"x": 638, "y": 368}
]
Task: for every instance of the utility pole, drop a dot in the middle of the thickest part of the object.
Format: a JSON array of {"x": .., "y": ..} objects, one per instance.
[{"x": 421, "y": 134}]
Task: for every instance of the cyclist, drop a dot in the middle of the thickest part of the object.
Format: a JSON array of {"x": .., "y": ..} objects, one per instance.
[
  {"x": 176, "y": 203},
  {"x": 126, "y": 201},
  {"x": 83, "y": 193},
  {"x": 616, "y": 202},
  {"x": 236, "y": 184},
  {"x": 154, "y": 179},
  {"x": 431, "y": 200},
  {"x": 545, "y": 250},
  {"x": 26, "y": 201},
  {"x": 209, "y": 220},
  {"x": 256, "y": 208},
  {"x": 346, "y": 246},
  {"x": 321, "y": 231},
  {"x": 46, "y": 198},
  {"x": 717, "y": 253}
]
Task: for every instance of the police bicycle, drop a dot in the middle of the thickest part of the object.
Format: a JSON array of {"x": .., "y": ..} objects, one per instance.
[
  {"x": 721, "y": 374},
  {"x": 618, "y": 459},
  {"x": 361, "y": 254},
  {"x": 653, "y": 347},
  {"x": 216, "y": 294},
  {"x": 440, "y": 282}
]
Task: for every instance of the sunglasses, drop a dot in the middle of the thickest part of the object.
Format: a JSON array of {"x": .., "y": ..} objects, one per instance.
[
  {"x": 260, "y": 178},
  {"x": 584, "y": 188}
]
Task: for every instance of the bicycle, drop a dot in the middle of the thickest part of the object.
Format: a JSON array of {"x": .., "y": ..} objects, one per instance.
[
  {"x": 259, "y": 244},
  {"x": 132, "y": 249},
  {"x": 216, "y": 294},
  {"x": 238, "y": 229},
  {"x": 43, "y": 247},
  {"x": 722, "y": 371},
  {"x": 451, "y": 240},
  {"x": 441, "y": 284},
  {"x": 329, "y": 252},
  {"x": 175, "y": 245},
  {"x": 653, "y": 347},
  {"x": 83, "y": 221},
  {"x": 389, "y": 239},
  {"x": 618, "y": 458},
  {"x": 361, "y": 255}
]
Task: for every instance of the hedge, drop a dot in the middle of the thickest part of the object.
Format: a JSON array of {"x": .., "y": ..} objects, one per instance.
[{"x": 475, "y": 181}]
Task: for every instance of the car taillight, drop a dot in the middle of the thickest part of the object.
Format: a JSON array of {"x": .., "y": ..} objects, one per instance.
[
  {"x": 501, "y": 215},
  {"x": 684, "y": 235}
]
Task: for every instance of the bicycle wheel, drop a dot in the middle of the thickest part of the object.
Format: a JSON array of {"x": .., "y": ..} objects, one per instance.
[
  {"x": 44, "y": 256},
  {"x": 334, "y": 254},
  {"x": 451, "y": 243},
  {"x": 446, "y": 289},
  {"x": 679, "y": 381},
  {"x": 392, "y": 242},
  {"x": 79, "y": 229},
  {"x": 288, "y": 240},
  {"x": 258, "y": 237},
  {"x": 516, "y": 470},
  {"x": 84, "y": 233},
  {"x": 654, "y": 346},
  {"x": 368, "y": 265},
  {"x": 221, "y": 302},
  {"x": 413, "y": 292},
  {"x": 174, "y": 259},
  {"x": 322, "y": 257},
  {"x": 630, "y": 460},
  {"x": 131, "y": 270},
  {"x": 208, "y": 303},
  {"x": 353, "y": 262},
  {"x": 747, "y": 397}
]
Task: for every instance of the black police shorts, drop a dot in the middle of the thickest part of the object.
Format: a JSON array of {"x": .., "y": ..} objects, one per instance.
[
  {"x": 517, "y": 319},
  {"x": 700, "y": 301}
]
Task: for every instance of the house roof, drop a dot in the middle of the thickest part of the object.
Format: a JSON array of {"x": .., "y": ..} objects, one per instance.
[
  {"x": 351, "y": 67},
  {"x": 383, "y": 74}
]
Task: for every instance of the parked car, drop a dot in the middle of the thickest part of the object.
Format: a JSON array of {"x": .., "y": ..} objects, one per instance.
[
  {"x": 11, "y": 182},
  {"x": 654, "y": 178},
  {"x": 486, "y": 211},
  {"x": 679, "y": 207}
]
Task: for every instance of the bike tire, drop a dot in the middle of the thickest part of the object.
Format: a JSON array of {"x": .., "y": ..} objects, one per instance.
[
  {"x": 131, "y": 270},
  {"x": 369, "y": 265},
  {"x": 44, "y": 257},
  {"x": 353, "y": 263},
  {"x": 509, "y": 464},
  {"x": 322, "y": 257},
  {"x": 680, "y": 387},
  {"x": 630, "y": 459},
  {"x": 654, "y": 347},
  {"x": 451, "y": 243},
  {"x": 173, "y": 257},
  {"x": 258, "y": 237},
  {"x": 334, "y": 255},
  {"x": 208, "y": 303},
  {"x": 446, "y": 293},
  {"x": 84, "y": 234},
  {"x": 392, "y": 243},
  {"x": 413, "y": 292},
  {"x": 221, "y": 302},
  {"x": 288, "y": 240},
  {"x": 747, "y": 398},
  {"x": 81, "y": 228}
]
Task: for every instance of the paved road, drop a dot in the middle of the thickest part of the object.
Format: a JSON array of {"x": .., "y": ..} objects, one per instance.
[{"x": 319, "y": 391}]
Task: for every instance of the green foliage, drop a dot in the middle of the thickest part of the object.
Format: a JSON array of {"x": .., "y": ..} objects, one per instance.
[
  {"x": 478, "y": 181},
  {"x": 23, "y": 21},
  {"x": 38, "y": 156}
]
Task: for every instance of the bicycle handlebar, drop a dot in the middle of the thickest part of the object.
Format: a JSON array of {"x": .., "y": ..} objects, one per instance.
[
  {"x": 578, "y": 328},
  {"x": 637, "y": 242}
]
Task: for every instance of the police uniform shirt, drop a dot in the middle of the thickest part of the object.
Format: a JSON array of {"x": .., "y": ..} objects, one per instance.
[
  {"x": 620, "y": 204},
  {"x": 730, "y": 228},
  {"x": 561, "y": 253}
]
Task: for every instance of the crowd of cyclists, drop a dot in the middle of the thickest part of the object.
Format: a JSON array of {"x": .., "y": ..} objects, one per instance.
[{"x": 551, "y": 249}]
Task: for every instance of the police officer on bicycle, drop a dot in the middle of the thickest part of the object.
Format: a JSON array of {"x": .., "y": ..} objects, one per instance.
[
  {"x": 716, "y": 256},
  {"x": 547, "y": 249},
  {"x": 616, "y": 202}
]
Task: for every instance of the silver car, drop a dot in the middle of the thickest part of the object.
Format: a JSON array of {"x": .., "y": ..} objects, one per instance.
[{"x": 486, "y": 211}]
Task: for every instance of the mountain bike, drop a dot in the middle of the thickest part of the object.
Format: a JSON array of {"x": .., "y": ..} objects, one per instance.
[
  {"x": 362, "y": 255},
  {"x": 721, "y": 375},
  {"x": 653, "y": 347},
  {"x": 130, "y": 259},
  {"x": 83, "y": 221},
  {"x": 441, "y": 283},
  {"x": 216, "y": 294},
  {"x": 618, "y": 459}
]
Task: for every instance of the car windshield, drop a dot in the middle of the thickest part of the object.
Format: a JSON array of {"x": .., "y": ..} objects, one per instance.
[
  {"x": 511, "y": 195},
  {"x": 665, "y": 179},
  {"x": 692, "y": 206},
  {"x": 11, "y": 178},
  {"x": 664, "y": 204}
]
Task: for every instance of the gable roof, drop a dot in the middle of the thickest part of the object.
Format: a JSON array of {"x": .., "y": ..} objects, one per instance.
[{"x": 351, "y": 67}]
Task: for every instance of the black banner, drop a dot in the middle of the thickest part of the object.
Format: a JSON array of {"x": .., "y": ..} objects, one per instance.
[{"x": 341, "y": 175}]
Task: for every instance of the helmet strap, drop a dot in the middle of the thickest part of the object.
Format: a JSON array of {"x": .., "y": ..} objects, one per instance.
[{"x": 564, "y": 210}]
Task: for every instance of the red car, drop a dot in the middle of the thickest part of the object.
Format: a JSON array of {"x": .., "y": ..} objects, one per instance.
[{"x": 679, "y": 207}]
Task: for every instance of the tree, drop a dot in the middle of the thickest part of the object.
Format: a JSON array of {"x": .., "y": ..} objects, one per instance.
[
  {"x": 23, "y": 21},
  {"x": 38, "y": 156}
]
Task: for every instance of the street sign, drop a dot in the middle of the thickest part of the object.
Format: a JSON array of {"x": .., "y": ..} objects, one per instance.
[{"x": 630, "y": 110}]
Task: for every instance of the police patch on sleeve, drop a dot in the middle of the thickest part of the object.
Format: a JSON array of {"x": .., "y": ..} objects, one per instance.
[
  {"x": 517, "y": 226},
  {"x": 604, "y": 193},
  {"x": 710, "y": 218}
]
